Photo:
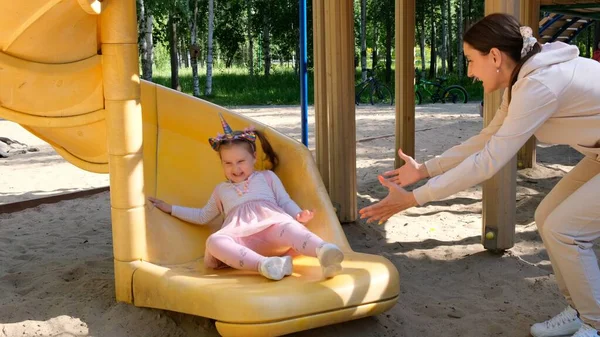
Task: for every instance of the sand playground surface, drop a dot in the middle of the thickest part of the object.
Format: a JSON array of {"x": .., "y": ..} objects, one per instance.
[{"x": 56, "y": 270}]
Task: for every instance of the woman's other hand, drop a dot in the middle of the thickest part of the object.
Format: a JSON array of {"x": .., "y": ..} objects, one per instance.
[
  {"x": 396, "y": 201},
  {"x": 409, "y": 173}
]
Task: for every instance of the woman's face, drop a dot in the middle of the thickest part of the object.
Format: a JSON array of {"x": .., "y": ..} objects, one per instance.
[{"x": 486, "y": 68}]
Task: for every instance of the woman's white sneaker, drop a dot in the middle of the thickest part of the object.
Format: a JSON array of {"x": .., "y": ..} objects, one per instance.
[{"x": 564, "y": 324}]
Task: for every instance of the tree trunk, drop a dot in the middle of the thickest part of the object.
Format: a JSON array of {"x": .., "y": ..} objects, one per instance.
[
  {"x": 296, "y": 60},
  {"x": 195, "y": 50},
  {"x": 444, "y": 51},
  {"x": 146, "y": 45},
  {"x": 250, "y": 40},
  {"x": 173, "y": 53},
  {"x": 597, "y": 35},
  {"x": 267, "y": 45},
  {"x": 433, "y": 56},
  {"x": 588, "y": 42},
  {"x": 422, "y": 42},
  {"x": 363, "y": 39},
  {"x": 185, "y": 61},
  {"x": 149, "y": 45},
  {"x": 449, "y": 44},
  {"x": 459, "y": 26},
  {"x": 209, "y": 58},
  {"x": 389, "y": 37},
  {"x": 374, "y": 59},
  {"x": 469, "y": 13}
]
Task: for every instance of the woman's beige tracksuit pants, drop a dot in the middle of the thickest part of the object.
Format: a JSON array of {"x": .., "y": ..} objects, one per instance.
[{"x": 568, "y": 220}]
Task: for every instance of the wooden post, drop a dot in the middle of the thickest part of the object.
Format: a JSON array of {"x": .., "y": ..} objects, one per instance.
[
  {"x": 339, "y": 53},
  {"x": 499, "y": 202},
  {"x": 118, "y": 36},
  {"x": 320, "y": 78},
  {"x": 529, "y": 16},
  {"x": 405, "y": 75},
  {"x": 499, "y": 194}
]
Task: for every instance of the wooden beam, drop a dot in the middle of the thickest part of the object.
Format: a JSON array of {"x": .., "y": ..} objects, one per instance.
[
  {"x": 405, "y": 75},
  {"x": 339, "y": 51},
  {"x": 569, "y": 2},
  {"x": 571, "y": 6},
  {"x": 499, "y": 193},
  {"x": 529, "y": 16},
  {"x": 499, "y": 202},
  {"x": 581, "y": 14},
  {"x": 320, "y": 79},
  {"x": 52, "y": 199}
]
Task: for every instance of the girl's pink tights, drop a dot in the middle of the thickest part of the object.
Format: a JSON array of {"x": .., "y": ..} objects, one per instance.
[{"x": 279, "y": 239}]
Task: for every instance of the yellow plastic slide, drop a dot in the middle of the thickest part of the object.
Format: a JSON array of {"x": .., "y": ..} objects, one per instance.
[{"x": 69, "y": 74}]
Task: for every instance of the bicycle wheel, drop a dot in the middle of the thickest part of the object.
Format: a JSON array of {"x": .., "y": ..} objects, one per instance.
[
  {"x": 381, "y": 95},
  {"x": 455, "y": 94},
  {"x": 363, "y": 96},
  {"x": 418, "y": 97}
]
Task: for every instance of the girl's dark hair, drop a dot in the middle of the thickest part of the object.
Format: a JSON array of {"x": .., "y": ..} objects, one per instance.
[
  {"x": 500, "y": 31},
  {"x": 251, "y": 147},
  {"x": 267, "y": 149}
]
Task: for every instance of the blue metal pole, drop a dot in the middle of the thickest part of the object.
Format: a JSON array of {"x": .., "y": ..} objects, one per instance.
[{"x": 303, "y": 73}]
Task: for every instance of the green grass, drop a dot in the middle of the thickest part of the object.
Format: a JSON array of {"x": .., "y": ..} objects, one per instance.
[{"x": 235, "y": 87}]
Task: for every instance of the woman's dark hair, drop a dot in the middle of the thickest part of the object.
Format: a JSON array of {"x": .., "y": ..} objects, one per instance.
[
  {"x": 500, "y": 31},
  {"x": 250, "y": 146}
]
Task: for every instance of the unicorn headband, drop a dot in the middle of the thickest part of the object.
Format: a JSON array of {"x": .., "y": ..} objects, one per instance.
[{"x": 248, "y": 135}]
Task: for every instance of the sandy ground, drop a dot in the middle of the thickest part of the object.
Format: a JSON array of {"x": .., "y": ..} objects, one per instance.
[{"x": 56, "y": 276}]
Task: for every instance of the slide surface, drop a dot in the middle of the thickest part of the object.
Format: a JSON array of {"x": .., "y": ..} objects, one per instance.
[
  {"x": 51, "y": 82},
  {"x": 51, "y": 77}
]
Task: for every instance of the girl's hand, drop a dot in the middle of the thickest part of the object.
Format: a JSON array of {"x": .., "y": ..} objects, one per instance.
[
  {"x": 407, "y": 174},
  {"x": 396, "y": 201},
  {"x": 305, "y": 216},
  {"x": 163, "y": 206}
]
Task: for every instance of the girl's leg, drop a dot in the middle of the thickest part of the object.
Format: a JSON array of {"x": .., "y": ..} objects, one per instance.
[
  {"x": 226, "y": 249},
  {"x": 293, "y": 235},
  {"x": 299, "y": 238},
  {"x": 235, "y": 255}
]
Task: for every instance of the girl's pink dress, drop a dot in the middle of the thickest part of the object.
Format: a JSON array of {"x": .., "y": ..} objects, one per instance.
[{"x": 264, "y": 204}]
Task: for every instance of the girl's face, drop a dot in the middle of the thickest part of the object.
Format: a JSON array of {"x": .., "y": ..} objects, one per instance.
[
  {"x": 238, "y": 162},
  {"x": 487, "y": 68}
]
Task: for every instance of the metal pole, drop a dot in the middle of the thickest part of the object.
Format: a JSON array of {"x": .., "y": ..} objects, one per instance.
[{"x": 303, "y": 73}]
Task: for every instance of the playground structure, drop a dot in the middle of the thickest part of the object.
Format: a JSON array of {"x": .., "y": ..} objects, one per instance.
[
  {"x": 74, "y": 83},
  {"x": 335, "y": 125},
  {"x": 564, "y": 20},
  {"x": 69, "y": 74}
]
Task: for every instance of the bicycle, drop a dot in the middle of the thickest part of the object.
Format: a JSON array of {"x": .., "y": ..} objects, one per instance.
[
  {"x": 454, "y": 93},
  {"x": 372, "y": 91}
]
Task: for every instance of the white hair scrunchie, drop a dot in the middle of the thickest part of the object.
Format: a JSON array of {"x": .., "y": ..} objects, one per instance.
[{"x": 528, "y": 40}]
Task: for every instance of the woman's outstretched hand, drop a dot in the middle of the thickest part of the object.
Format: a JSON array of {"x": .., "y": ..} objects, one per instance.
[
  {"x": 163, "y": 206},
  {"x": 396, "y": 201},
  {"x": 407, "y": 174}
]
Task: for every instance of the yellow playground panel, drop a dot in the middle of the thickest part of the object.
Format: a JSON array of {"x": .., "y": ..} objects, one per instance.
[{"x": 69, "y": 74}]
